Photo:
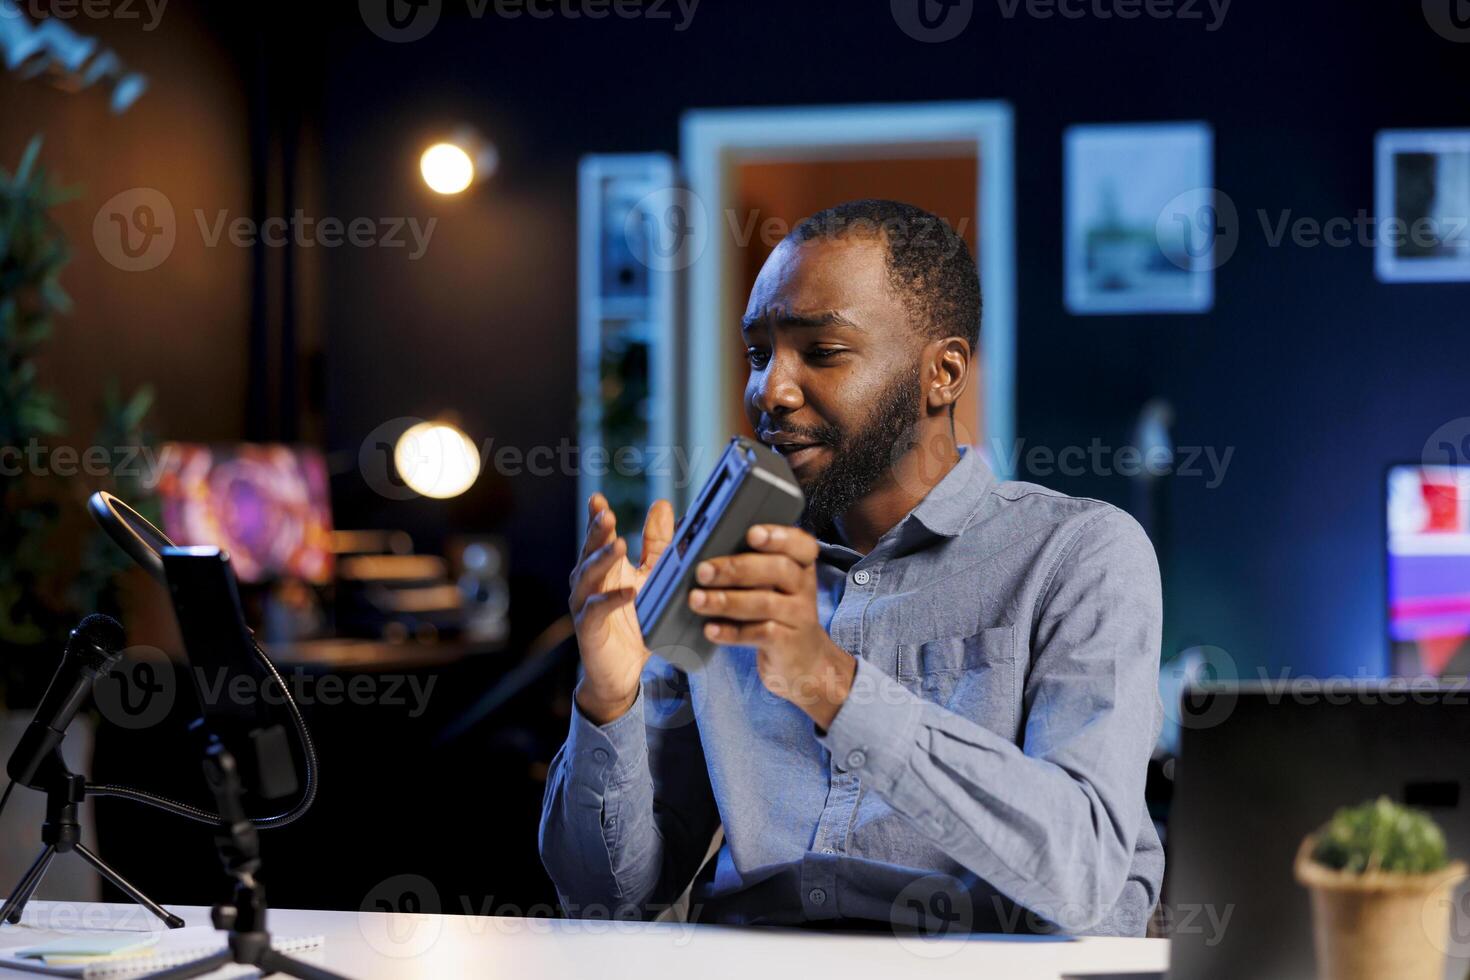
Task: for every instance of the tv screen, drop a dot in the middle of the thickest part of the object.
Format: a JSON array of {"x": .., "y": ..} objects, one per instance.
[
  {"x": 267, "y": 505},
  {"x": 1429, "y": 570}
]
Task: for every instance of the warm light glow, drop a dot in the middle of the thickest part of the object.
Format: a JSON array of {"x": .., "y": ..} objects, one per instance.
[
  {"x": 437, "y": 460},
  {"x": 447, "y": 168}
]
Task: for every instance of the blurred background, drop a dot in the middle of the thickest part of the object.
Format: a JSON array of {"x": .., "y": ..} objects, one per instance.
[{"x": 374, "y": 295}]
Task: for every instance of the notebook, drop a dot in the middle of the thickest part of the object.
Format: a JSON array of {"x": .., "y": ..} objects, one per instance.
[{"x": 131, "y": 953}]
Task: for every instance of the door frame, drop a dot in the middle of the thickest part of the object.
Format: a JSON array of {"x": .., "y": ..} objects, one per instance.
[{"x": 714, "y": 141}]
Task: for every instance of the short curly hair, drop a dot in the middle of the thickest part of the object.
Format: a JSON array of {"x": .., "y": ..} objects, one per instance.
[{"x": 929, "y": 266}]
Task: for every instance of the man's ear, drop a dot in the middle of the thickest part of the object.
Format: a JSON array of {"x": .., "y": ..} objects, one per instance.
[{"x": 946, "y": 372}]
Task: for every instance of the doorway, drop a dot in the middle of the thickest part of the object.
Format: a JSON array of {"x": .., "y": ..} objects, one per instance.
[{"x": 757, "y": 172}]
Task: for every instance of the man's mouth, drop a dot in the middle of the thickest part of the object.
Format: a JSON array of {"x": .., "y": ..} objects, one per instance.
[{"x": 799, "y": 453}]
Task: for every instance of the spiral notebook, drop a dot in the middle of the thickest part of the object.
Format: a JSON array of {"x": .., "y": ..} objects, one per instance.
[{"x": 172, "y": 948}]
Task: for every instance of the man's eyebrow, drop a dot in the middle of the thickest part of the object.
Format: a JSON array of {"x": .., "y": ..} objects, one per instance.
[{"x": 793, "y": 318}]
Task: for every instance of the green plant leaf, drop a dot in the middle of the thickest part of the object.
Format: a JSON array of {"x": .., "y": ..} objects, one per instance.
[
  {"x": 28, "y": 160},
  {"x": 1381, "y": 835}
]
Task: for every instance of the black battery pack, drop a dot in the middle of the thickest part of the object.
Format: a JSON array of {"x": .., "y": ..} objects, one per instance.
[{"x": 751, "y": 484}]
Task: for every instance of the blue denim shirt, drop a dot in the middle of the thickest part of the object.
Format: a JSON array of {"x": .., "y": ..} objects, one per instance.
[{"x": 986, "y": 772}]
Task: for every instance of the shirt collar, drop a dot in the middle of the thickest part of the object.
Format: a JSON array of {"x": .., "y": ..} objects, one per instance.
[{"x": 945, "y": 511}]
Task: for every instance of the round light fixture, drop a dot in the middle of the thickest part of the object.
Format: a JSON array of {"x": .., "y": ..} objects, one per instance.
[
  {"x": 437, "y": 460},
  {"x": 447, "y": 168}
]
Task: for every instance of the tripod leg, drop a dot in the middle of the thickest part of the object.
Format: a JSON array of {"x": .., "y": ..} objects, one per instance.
[
  {"x": 195, "y": 969},
  {"x": 16, "y": 903},
  {"x": 273, "y": 962},
  {"x": 171, "y": 920}
]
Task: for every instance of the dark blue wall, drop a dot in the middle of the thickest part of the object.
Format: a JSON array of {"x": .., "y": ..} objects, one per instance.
[{"x": 1313, "y": 373}]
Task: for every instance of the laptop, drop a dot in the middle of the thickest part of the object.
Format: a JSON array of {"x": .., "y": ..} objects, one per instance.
[{"x": 1262, "y": 765}]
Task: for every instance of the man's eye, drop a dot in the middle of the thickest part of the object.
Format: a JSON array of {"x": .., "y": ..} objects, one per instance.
[
  {"x": 822, "y": 353},
  {"x": 757, "y": 357}
]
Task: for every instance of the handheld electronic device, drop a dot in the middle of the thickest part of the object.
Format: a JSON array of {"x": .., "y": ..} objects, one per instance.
[{"x": 751, "y": 484}]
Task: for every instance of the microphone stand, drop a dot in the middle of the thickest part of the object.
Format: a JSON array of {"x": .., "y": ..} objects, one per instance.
[
  {"x": 61, "y": 833},
  {"x": 244, "y": 915}
]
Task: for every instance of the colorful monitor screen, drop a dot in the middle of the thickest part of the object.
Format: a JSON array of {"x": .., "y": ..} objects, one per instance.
[
  {"x": 1429, "y": 570},
  {"x": 267, "y": 505}
]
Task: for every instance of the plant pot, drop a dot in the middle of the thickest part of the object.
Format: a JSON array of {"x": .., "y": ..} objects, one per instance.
[{"x": 1378, "y": 924}]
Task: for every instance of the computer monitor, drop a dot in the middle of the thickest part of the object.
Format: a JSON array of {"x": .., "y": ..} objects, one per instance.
[
  {"x": 267, "y": 505},
  {"x": 1428, "y": 570}
]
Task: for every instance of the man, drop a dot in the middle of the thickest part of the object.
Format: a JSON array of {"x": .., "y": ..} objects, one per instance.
[{"x": 930, "y": 707}]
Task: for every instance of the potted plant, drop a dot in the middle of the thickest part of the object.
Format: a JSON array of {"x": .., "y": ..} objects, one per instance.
[
  {"x": 42, "y": 594},
  {"x": 1380, "y": 880}
]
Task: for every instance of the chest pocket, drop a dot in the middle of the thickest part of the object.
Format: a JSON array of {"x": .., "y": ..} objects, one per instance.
[{"x": 973, "y": 676}]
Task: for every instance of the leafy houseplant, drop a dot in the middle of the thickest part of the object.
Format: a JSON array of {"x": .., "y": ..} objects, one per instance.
[
  {"x": 34, "y": 613},
  {"x": 1380, "y": 880},
  {"x": 32, "y": 254}
]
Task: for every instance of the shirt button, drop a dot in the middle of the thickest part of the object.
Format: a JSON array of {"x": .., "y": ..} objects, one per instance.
[
  {"x": 600, "y": 755},
  {"x": 861, "y": 576},
  {"x": 817, "y": 895},
  {"x": 856, "y": 759},
  {"x": 828, "y": 850}
]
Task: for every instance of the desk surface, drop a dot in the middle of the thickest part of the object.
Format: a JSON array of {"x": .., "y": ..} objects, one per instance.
[{"x": 364, "y": 945}]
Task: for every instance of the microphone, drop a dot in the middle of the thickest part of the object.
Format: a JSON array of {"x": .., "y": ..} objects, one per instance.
[{"x": 91, "y": 651}]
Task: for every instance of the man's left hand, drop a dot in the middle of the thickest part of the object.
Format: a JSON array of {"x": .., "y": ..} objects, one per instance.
[{"x": 767, "y": 599}]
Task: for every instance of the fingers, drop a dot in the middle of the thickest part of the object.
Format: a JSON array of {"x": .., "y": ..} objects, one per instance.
[
  {"x": 743, "y": 605},
  {"x": 779, "y": 539},
  {"x": 752, "y": 570},
  {"x": 589, "y": 576},
  {"x": 601, "y": 525},
  {"x": 658, "y": 531},
  {"x": 763, "y": 634}
]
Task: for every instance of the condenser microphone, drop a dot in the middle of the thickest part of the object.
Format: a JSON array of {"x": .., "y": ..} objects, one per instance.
[{"x": 91, "y": 650}]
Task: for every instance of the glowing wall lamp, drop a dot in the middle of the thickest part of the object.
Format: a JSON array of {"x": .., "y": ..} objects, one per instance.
[
  {"x": 452, "y": 165},
  {"x": 436, "y": 459}
]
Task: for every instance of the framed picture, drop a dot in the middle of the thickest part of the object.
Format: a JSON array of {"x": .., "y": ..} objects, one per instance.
[
  {"x": 1422, "y": 203},
  {"x": 1141, "y": 228}
]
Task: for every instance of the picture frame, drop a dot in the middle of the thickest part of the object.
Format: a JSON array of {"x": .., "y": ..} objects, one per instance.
[
  {"x": 1422, "y": 205},
  {"x": 1141, "y": 230}
]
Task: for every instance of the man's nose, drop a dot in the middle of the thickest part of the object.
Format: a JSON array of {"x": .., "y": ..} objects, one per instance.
[{"x": 778, "y": 390}]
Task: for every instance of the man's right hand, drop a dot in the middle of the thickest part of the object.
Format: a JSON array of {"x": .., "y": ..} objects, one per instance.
[{"x": 603, "y": 585}]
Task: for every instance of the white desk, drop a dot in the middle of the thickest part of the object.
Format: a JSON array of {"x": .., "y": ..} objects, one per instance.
[{"x": 387, "y": 945}]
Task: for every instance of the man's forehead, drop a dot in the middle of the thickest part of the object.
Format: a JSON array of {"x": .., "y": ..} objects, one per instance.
[{"x": 819, "y": 276}]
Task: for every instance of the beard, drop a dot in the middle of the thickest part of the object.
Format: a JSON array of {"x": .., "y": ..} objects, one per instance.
[{"x": 863, "y": 457}]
